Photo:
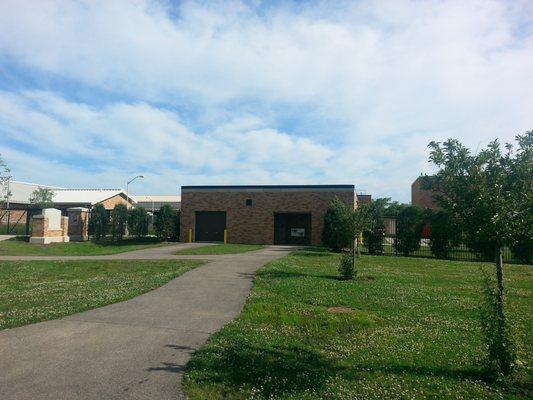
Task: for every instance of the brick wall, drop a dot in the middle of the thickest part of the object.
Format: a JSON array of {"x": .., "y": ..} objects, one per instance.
[
  {"x": 16, "y": 215},
  {"x": 110, "y": 203},
  {"x": 420, "y": 197},
  {"x": 255, "y": 224}
]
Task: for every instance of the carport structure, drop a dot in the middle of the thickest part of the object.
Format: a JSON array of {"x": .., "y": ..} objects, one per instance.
[{"x": 266, "y": 214}]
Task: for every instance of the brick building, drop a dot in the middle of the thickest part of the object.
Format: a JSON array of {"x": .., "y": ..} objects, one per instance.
[
  {"x": 421, "y": 197},
  {"x": 287, "y": 214}
]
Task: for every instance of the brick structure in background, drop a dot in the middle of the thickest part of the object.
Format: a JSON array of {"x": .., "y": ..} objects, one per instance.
[
  {"x": 363, "y": 199},
  {"x": 14, "y": 215},
  {"x": 49, "y": 227},
  {"x": 250, "y": 210},
  {"x": 78, "y": 224},
  {"x": 420, "y": 197}
]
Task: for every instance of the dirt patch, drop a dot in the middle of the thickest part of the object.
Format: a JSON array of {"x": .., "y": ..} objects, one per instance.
[{"x": 340, "y": 310}]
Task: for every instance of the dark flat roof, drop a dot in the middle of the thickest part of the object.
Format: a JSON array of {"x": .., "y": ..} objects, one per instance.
[
  {"x": 269, "y": 187},
  {"x": 221, "y": 188}
]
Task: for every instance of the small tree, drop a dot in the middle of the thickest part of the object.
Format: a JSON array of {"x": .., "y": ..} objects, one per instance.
[
  {"x": 98, "y": 222},
  {"x": 338, "y": 232},
  {"x": 165, "y": 222},
  {"x": 138, "y": 222},
  {"x": 489, "y": 194},
  {"x": 409, "y": 225},
  {"x": 347, "y": 266},
  {"x": 375, "y": 229},
  {"x": 119, "y": 218},
  {"x": 42, "y": 198}
]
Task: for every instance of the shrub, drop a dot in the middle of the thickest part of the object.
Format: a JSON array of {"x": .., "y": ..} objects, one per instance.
[
  {"x": 98, "y": 222},
  {"x": 138, "y": 222},
  {"x": 119, "y": 218},
  {"x": 375, "y": 231},
  {"x": 165, "y": 222},
  {"x": 346, "y": 266},
  {"x": 338, "y": 230},
  {"x": 409, "y": 225},
  {"x": 497, "y": 333}
]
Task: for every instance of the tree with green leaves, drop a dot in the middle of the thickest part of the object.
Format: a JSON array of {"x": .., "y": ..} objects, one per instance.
[
  {"x": 338, "y": 232},
  {"x": 409, "y": 225},
  {"x": 98, "y": 222},
  {"x": 138, "y": 222},
  {"x": 165, "y": 222},
  {"x": 176, "y": 234},
  {"x": 443, "y": 235},
  {"x": 119, "y": 219},
  {"x": 489, "y": 195},
  {"x": 42, "y": 198},
  {"x": 4, "y": 181},
  {"x": 374, "y": 232}
]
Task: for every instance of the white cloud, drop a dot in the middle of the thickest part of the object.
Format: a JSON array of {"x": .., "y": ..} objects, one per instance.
[
  {"x": 139, "y": 137},
  {"x": 390, "y": 76}
]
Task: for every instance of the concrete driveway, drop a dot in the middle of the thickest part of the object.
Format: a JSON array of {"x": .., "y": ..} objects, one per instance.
[{"x": 135, "y": 349}]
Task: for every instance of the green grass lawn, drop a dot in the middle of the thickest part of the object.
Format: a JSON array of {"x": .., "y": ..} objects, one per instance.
[
  {"x": 413, "y": 333},
  {"x": 20, "y": 247},
  {"x": 32, "y": 291},
  {"x": 220, "y": 249}
]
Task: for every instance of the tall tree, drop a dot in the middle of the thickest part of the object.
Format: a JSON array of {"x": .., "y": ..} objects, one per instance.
[
  {"x": 165, "y": 222},
  {"x": 338, "y": 232},
  {"x": 489, "y": 196},
  {"x": 374, "y": 232},
  {"x": 409, "y": 225},
  {"x": 119, "y": 219},
  {"x": 42, "y": 197},
  {"x": 4, "y": 179},
  {"x": 138, "y": 222},
  {"x": 98, "y": 222}
]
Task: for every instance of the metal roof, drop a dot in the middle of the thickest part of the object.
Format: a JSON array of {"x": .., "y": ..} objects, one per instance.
[
  {"x": 86, "y": 196},
  {"x": 22, "y": 191}
]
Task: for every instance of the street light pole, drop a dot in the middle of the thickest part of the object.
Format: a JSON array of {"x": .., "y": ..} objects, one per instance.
[
  {"x": 128, "y": 196},
  {"x": 7, "y": 203},
  {"x": 127, "y": 189}
]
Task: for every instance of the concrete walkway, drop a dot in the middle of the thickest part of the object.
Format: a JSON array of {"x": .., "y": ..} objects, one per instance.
[
  {"x": 6, "y": 237},
  {"x": 135, "y": 349}
]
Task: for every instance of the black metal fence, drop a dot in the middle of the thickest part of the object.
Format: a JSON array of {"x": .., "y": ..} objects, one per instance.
[
  {"x": 16, "y": 222},
  {"x": 460, "y": 252}
]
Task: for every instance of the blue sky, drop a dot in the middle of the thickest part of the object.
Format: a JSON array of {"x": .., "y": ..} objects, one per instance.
[{"x": 186, "y": 93}]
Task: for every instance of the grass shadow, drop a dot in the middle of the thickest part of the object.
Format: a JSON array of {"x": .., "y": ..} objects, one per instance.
[{"x": 273, "y": 371}]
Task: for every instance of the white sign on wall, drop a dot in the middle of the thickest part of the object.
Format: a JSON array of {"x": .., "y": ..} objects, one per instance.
[{"x": 298, "y": 232}]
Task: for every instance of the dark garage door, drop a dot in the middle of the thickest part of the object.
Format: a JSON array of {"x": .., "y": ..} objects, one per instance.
[
  {"x": 292, "y": 228},
  {"x": 210, "y": 226}
]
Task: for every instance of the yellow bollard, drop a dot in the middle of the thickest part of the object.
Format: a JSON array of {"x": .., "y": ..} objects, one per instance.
[
  {"x": 190, "y": 235},
  {"x": 225, "y": 236}
]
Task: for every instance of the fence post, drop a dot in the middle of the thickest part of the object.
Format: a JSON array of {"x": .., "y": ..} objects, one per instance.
[
  {"x": 395, "y": 233},
  {"x": 353, "y": 255}
]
